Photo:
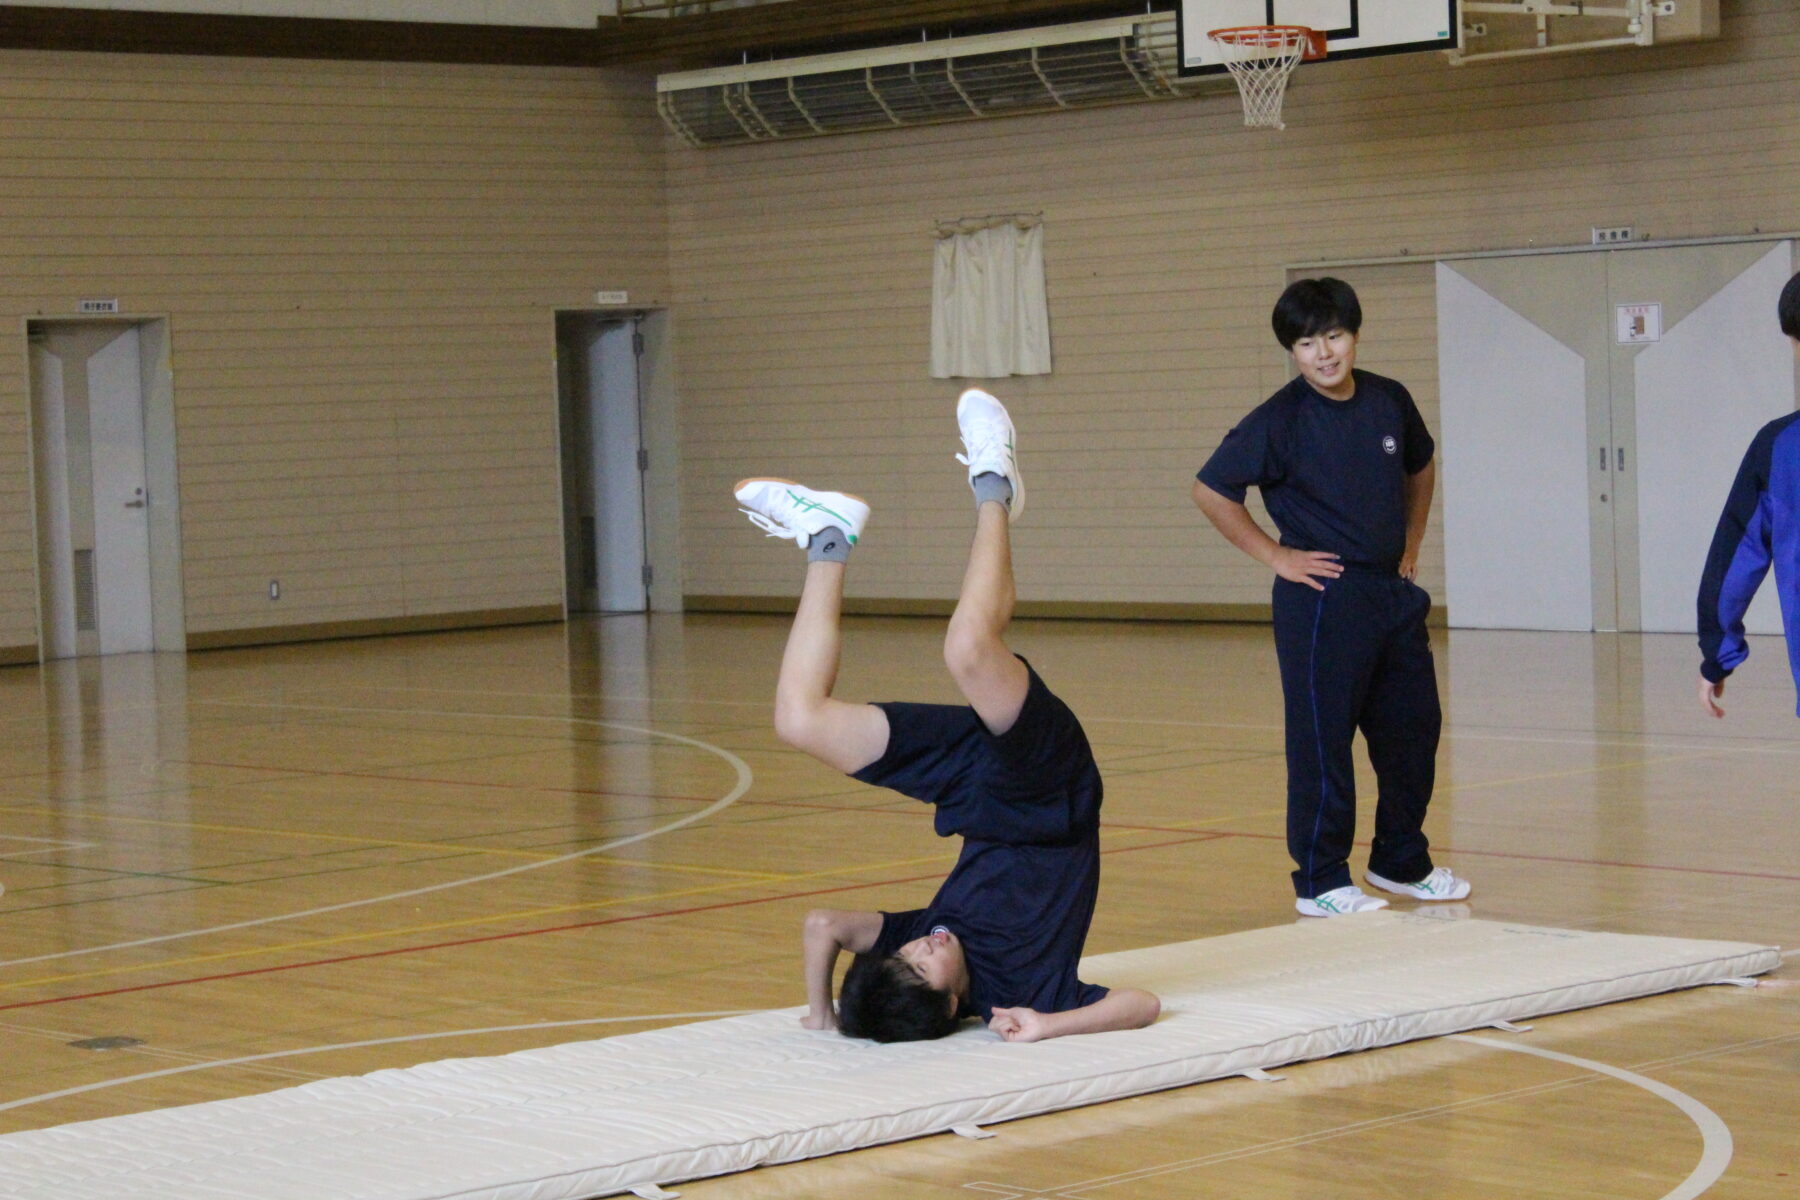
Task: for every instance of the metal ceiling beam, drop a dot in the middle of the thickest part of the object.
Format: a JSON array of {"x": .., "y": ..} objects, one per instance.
[
  {"x": 815, "y": 26},
  {"x": 663, "y": 43}
]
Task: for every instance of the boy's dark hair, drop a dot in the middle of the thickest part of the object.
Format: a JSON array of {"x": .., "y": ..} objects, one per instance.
[
  {"x": 1788, "y": 308},
  {"x": 1310, "y": 307},
  {"x": 882, "y": 999}
]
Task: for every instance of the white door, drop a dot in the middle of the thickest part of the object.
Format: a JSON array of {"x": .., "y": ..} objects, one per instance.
[
  {"x": 1514, "y": 446},
  {"x": 1594, "y": 410},
  {"x": 618, "y": 479},
  {"x": 121, "y": 501},
  {"x": 93, "y": 495}
]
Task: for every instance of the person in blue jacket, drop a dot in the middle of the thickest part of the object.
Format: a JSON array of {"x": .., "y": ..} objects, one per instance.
[{"x": 1760, "y": 527}]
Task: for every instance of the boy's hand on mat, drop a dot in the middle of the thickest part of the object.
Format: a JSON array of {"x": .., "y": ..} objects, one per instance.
[
  {"x": 825, "y": 1020},
  {"x": 1710, "y": 694},
  {"x": 1018, "y": 1024},
  {"x": 1300, "y": 566}
]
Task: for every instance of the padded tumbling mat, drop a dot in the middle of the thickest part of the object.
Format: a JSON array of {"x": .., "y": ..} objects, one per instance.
[{"x": 600, "y": 1117}]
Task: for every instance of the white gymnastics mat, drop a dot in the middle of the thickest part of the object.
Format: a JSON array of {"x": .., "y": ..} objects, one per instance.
[{"x": 600, "y": 1117}]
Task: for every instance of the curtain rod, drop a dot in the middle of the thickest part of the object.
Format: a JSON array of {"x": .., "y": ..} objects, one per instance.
[{"x": 952, "y": 226}]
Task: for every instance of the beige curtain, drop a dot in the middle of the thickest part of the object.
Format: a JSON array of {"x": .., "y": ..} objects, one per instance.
[{"x": 989, "y": 314}]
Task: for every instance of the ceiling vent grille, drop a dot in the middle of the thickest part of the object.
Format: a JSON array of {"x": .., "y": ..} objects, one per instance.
[{"x": 956, "y": 79}]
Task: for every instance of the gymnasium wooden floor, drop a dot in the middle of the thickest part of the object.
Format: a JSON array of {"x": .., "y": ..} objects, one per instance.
[{"x": 276, "y": 865}]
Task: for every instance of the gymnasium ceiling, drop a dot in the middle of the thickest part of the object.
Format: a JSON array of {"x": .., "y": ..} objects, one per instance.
[{"x": 653, "y": 43}]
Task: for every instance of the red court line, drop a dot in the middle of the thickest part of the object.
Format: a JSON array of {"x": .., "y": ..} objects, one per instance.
[
  {"x": 1550, "y": 858},
  {"x": 911, "y": 808},
  {"x": 502, "y": 937}
]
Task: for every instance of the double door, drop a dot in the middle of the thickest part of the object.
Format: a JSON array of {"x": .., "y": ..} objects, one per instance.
[{"x": 1594, "y": 408}]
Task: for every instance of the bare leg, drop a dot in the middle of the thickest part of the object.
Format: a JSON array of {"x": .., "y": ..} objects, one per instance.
[
  {"x": 846, "y": 736},
  {"x": 993, "y": 680}
]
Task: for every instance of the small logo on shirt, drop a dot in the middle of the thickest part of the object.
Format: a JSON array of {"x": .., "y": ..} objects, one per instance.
[{"x": 1389, "y": 444}]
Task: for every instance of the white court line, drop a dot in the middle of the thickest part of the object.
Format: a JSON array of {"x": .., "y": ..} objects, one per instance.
[
  {"x": 1715, "y": 1154},
  {"x": 744, "y": 779},
  {"x": 1715, "y": 1135},
  {"x": 50, "y": 845},
  {"x": 387, "y": 1041}
]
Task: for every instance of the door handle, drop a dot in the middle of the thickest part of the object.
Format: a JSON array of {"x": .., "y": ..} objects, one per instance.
[{"x": 1619, "y": 457}]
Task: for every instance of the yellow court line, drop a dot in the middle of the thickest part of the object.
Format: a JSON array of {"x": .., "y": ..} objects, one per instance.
[
  {"x": 287, "y": 833},
  {"x": 1592, "y": 769},
  {"x": 369, "y": 841},
  {"x": 770, "y": 876}
]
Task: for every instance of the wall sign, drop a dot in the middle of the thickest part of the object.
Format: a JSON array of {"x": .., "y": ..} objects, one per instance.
[{"x": 1639, "y": 323}]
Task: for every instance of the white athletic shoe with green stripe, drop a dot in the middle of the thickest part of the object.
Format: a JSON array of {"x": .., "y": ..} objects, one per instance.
[
  {"x": 1339, "y": 902},
  {"x": 990, "y": 443},
  {"x": 1439, "y": 885},
  {"x": 786, "y": 509}
]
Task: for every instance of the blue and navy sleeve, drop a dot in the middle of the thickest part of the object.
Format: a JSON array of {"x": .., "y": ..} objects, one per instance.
[
  {"x": 1738, "y": 561},
  {"x": 1247, "y": 457}
]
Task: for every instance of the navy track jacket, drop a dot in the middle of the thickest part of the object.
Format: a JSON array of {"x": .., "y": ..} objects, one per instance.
[{"x": 1760, "y": 526}]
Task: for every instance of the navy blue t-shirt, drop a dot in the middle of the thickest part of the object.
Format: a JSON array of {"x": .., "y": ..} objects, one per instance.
[
  {"x": 1022, "y": 913},
  {"x": 1332, "y": 472}
]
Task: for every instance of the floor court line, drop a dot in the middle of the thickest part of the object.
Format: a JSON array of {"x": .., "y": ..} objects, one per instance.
[
  {"x": 460, "y": 942},
  {"x": 1578, "y": 862},
  {"x": 742, "y": 785},
  {"x": 214, "y": 1064},
  {"x": 1716, "y": 1136},
  {"x": 1465, "y": 732},
  {"x": 309, "y": 773},
  {"x": 520, "y": 915}
]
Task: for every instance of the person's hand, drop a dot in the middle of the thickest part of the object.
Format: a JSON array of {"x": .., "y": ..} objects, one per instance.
[
  {"x": 1018, "y": 1024},
  {"x": 1710, "y": 694},
  {"x": 825, "y": 1020},
  {"x": 1300, "y": 566},
  {"x": 1409, "y": 566}
]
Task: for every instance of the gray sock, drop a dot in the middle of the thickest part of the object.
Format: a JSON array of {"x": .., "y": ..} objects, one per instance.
[
  {"x": 828, "y": 545},
  {"x": 991, "y": 485}
]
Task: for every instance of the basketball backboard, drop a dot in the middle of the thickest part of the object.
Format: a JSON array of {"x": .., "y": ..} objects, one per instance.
[{"x": 1353, "y": 28}]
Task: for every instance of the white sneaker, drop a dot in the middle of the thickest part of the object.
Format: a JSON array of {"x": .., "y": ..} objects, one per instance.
[
  {"x": 1339, "y": 902},
  {"x": 1439, "y": 885},
  {"x": 991, "y": 445},
  {"x": 786, "y": 509}
]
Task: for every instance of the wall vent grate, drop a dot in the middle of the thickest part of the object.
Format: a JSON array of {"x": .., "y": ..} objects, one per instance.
[{"x": 958, "y": 79}]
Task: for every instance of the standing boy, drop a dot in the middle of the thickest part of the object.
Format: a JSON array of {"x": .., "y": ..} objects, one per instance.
[
  {"x": 1011, "y": 773},
  {"x": 1759, "y": 526},
  {"x": 1345, "y": 466}
]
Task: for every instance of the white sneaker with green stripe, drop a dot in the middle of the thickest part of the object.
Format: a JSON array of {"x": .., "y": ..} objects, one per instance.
[
  {"x": 1339, "y": 902},
  {"x": 989, "y": 443},
  {"x": 785, "y": 509},
  {"x": 1439, "y": 885}
]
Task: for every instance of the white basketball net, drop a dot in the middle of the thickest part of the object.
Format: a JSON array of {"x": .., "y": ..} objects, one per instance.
[{"x": 1261, "y": 58}]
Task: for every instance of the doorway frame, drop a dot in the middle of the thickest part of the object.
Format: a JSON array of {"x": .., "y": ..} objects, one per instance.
[
  {"x": 659, "y": 435},
  {"x": 162, "y": 474}
]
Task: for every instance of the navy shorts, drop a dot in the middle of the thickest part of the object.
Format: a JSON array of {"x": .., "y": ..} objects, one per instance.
[{"x": 1037, "y": 783}]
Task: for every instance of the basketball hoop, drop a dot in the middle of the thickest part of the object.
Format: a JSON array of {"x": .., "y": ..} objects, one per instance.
[{"x": 1260, "y": 58}]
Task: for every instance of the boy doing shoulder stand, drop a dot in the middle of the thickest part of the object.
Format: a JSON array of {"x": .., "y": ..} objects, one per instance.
[
  {"x": 1011, "y": 773},
  {"x": 1758, "y": 527},
  {"x": 1345, "y": 467}
]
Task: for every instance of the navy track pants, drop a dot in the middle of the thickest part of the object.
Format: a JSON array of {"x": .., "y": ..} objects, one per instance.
[{"x": 1356, "y": 656}]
